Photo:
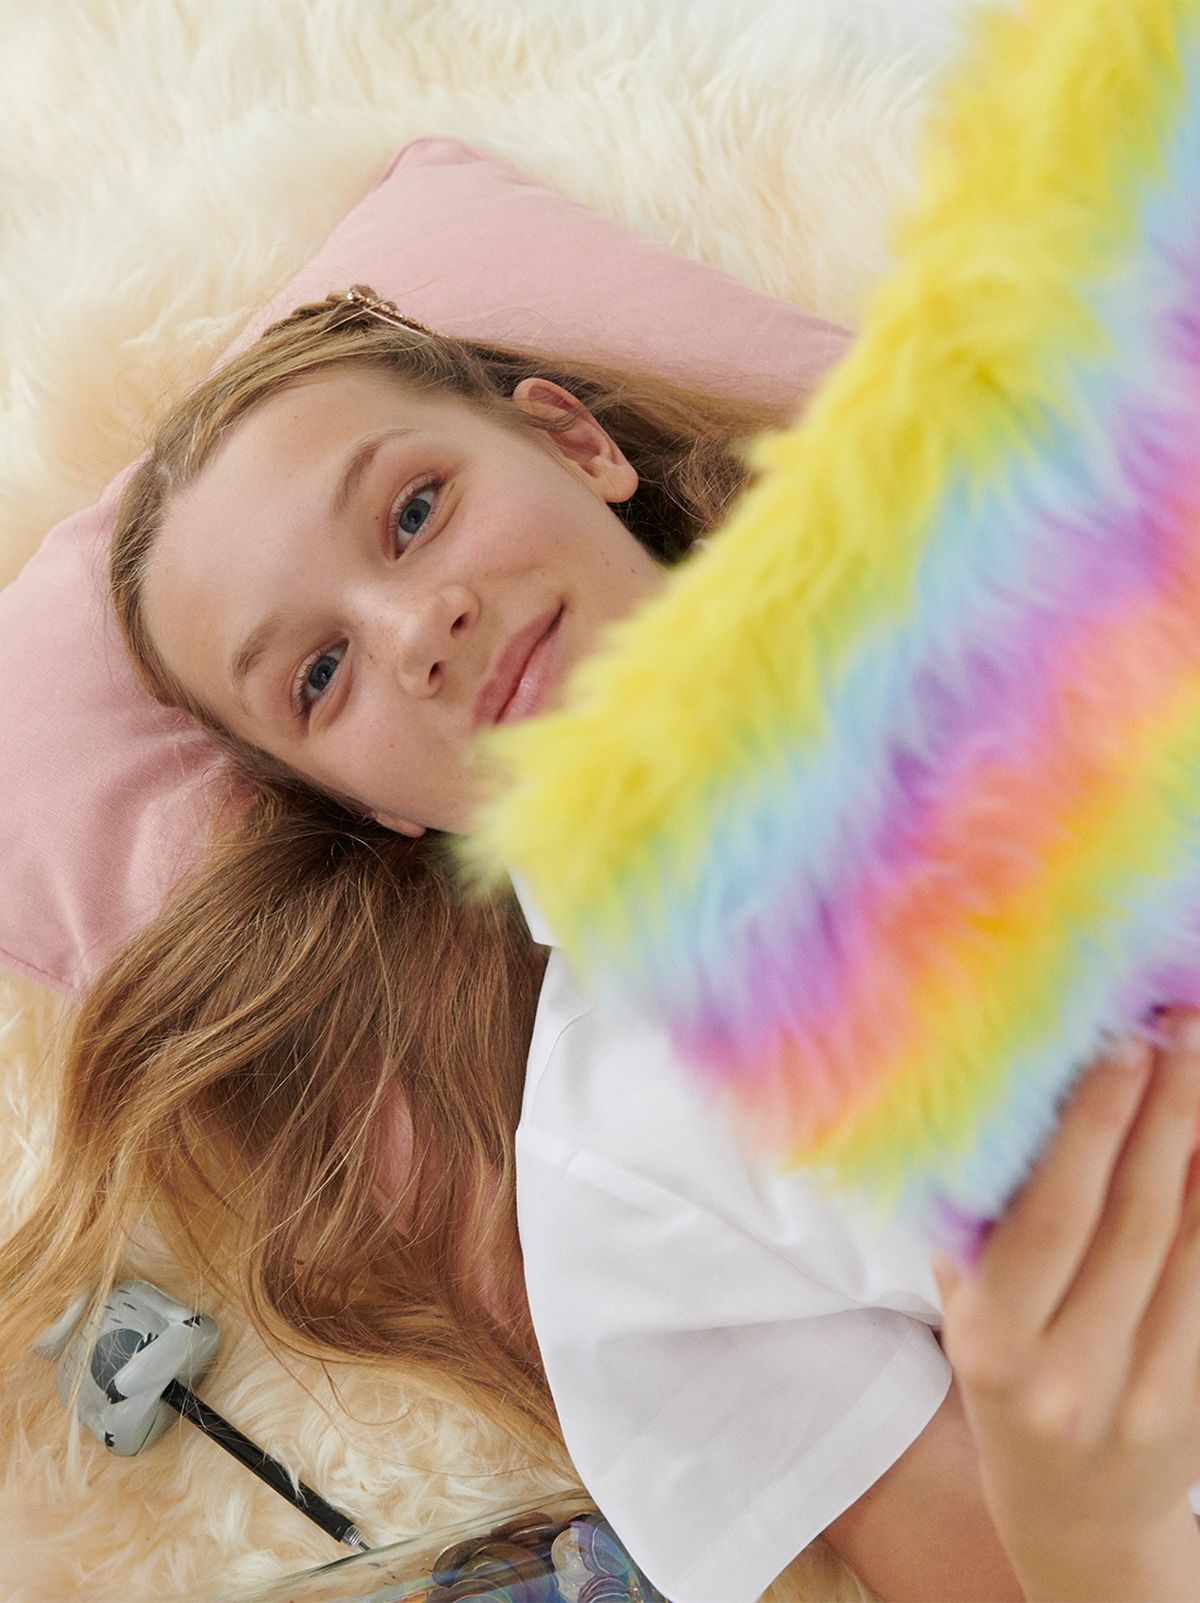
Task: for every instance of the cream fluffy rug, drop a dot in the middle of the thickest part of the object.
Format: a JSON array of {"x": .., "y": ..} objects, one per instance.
[{"x": 164, "y": 164}]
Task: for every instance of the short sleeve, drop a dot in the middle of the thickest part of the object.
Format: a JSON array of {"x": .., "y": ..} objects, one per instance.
[
  {"x": 721, "y": 1406},
  {"x": 737, "y": 1355}
]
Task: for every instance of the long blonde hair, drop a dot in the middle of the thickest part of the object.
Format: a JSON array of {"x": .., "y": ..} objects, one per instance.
[{"x": 309, "y": 1067}]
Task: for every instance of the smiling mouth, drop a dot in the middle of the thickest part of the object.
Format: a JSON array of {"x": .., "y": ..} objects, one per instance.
[{"x": 527, "y": 671}]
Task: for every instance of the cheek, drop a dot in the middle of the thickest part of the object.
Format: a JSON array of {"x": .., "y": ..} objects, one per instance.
[
  {"x": 389, "y": 761},
  {"x": 346, "y": 759}
]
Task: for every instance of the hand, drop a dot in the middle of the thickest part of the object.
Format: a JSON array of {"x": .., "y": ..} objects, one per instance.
[{"x": 1076, "y": 1338}]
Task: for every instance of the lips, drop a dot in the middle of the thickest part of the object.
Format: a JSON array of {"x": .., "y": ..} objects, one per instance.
[{"x": 522, "y": 676}]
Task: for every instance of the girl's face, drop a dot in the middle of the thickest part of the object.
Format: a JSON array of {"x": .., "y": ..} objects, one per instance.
[{"x": 363, "y": 578}]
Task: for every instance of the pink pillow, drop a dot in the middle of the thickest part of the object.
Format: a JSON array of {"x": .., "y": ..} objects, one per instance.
[{"x": 108, "y": 794}]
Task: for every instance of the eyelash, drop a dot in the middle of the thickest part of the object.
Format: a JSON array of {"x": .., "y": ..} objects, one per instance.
[
  {"x": 430, "y": 486},
  {"x": 422, "y": 487}
]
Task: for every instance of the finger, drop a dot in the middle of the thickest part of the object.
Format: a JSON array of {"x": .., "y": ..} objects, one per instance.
[
  {"x": 945, "y": 1276},
  {"x": 1141, "y": 1217},
  {"x": 1037, "y": 1246},
  {"x": 1167, "y": 1355}
]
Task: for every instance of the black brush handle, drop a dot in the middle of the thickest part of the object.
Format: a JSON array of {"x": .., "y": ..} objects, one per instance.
[{"x": 268, "y": 1469}]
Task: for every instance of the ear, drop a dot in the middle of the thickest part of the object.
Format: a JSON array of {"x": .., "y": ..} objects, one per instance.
[
  {"x": 399, "y": 826},
  {"x": 578, "y": 438}
]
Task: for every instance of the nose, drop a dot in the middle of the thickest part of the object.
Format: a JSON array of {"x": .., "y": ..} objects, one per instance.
[{"x": 422, "y": 637}]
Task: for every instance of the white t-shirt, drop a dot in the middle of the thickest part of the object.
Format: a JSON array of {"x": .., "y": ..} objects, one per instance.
[{"x": 735, "y": 1357}]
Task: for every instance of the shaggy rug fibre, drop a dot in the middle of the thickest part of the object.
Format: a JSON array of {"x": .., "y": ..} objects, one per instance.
[{"x": 164, "y": 165}]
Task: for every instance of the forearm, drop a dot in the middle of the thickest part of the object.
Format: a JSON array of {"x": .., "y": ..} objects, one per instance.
[
  {"x": 1163, "y": 1567},
  {"x": 924, "y": 1531}
]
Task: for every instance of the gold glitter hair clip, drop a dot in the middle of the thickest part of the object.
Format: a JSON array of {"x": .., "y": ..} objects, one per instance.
[{"x": 387, "y": 311}]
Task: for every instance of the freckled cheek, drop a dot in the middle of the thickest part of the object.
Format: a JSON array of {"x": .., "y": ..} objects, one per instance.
[
  {"x": 388, "y": 747},
  {"x": 535, "y": 526}
]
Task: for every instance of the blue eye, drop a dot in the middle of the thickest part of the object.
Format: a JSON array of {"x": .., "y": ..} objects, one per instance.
[
  {"x": 321, "y": 672},
  {"x": 411, "y": 513},
  {"x": 314, "y": 680}
]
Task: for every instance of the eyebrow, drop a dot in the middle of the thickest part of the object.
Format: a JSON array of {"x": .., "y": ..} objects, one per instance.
[
  {"x": 357, "y": 463},
  {"x": 253, "y": 647}
]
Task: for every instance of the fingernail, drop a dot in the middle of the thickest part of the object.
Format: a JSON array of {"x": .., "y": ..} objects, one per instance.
[{"x": 1133, "y": 1054}]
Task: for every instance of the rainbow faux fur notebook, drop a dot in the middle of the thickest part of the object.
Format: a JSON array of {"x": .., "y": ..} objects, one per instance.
[{"x": 889, "y": 807}]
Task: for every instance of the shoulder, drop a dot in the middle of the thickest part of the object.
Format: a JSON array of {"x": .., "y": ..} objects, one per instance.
[
  {"x": 700, "y": 1317},
  {"x": 614, "y": 1127}
]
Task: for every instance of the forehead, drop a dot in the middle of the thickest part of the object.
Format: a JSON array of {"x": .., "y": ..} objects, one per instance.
[
  {"x": 284, "y": 455},
  {"x": 303, "y": 424}
]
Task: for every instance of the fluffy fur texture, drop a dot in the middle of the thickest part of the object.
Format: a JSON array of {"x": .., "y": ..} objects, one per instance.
[
  {"x": 903, "y": 823},
  {"x": 166, "y": 163}
]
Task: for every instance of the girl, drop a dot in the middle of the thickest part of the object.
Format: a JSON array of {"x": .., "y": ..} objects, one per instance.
[{"x": 347, "y": 553}]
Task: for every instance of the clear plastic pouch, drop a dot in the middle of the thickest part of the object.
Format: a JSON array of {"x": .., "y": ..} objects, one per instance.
[{"x": 561, "y": 1551}]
